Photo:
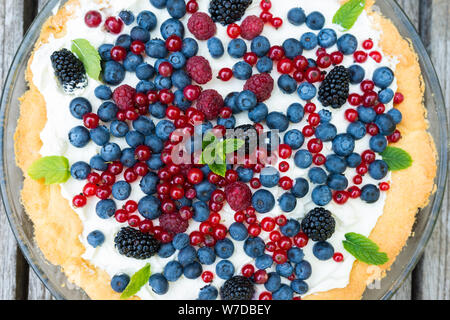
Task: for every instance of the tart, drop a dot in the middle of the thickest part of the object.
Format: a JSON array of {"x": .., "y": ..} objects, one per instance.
[{"x": 116, "y": 89}]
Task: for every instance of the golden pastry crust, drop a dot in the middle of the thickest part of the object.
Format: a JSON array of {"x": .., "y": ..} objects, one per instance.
[{"x": 410, "y": 188}]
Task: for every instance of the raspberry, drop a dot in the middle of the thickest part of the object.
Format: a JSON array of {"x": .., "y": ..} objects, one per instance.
[
  {"x": 251, "y": 27},
  {"x": 173, "y": 223},
  {"x": 239, "y": 196},
  {"x": 199, "y": 70},
  {"x": 210, "y": 102},
  {"x": 201, "y": 26},
  {"x": 123, "y": 96},
  {"x": 261, "y": 85}
]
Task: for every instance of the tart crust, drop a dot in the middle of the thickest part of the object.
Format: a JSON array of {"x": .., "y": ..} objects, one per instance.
[{"x": 57, "y": 227}]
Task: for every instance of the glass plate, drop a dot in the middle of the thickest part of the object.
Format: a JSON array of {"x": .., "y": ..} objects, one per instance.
[{"x": 56, "y": 281}]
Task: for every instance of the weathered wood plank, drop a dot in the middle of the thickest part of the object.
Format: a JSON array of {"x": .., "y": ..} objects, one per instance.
[
  {"x": 10, "y": 36},
  {"x": 433, "y": 273}
]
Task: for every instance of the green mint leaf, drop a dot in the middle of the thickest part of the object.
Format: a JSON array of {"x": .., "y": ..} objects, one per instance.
[
  {"x": 208, "y": 139},
  {"x": 53, "y": 169},
  {"x": 364, "y": 249},
  {"x": 209, "y": 153},
  {"x": 396, "y": 158},
  {"x": 232, "y": 145},
  {"x": 89, "y": 56},
  {"x": 139, "y": 279},
  {"x": 348, "y": 13},
  {"x": 218, "y": 168}
]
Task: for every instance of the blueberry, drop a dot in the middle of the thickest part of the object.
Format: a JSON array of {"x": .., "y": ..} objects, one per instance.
[
  {"x": 269, "y": 177},
  {"x": 144, "y": 86},
  {"x": 206, "y": 255},
  {"x": 317, "y": 175},
  {"x": 306, "y": 91},
  {"x": 173, "y": 271},
  {"x": 366, "y": 115},
  {"x": 260, "y": 45},
  {"x": 337, "y": 181},
  {"x": 263, "y": 201},
  {"x": 189, "y": 47},
  {"x": 325, "y": 116},
  {"x": 378, "y": 143},
  {"x": 105, "y": 51},
  {"x": 96, "y": 238},
  {"x": 230, "y": 101},
  {"x": 264, "y": 65},
  {"x": 107, "y": 111},
  {"x": 242, "y": 70},
  {"x": 201, "y": 211},
  {"x": 264, "y": 261},
  {"x": 273, "y": 282},
  {"x": 127, "y": 17},
  {"x": 287, "y": 84},
  {"x": 144, "y": 125},
  {"x": 208, "y": 293},
  {"x": 245, "y": 175},
  {"x": 160, "y": 4},
  {"x": 258, "y": 113},
  {"x": 309, "y": 41},
  {"x": 204, "y": 190},
  {"x": 119, "y": 282},
  {"x": 327, "y": 38},
  {"x": 292, "y": 48},
  {"x": 378, "y": 169},
  {"x": 238, "y": 231},
  {"x": 80, "y": 170},
  {"x": 193, "y": 270},
  {"x": 296, "y": 16},
  {"x": 140, "y": 34},
  {"x": 163, "y": 82},
  {"x": 158, "y": 110},
  {"x": 303, "y": 270},
  {"x": 315, "y": 20},
  {"x": 113, "y": 73},
  {"x": 176, "y": 8},
  {"x": 164, "y": 128},
  {"x": 335, "y": 164},
  {"x": 118, "y": 128},
  {"x": 105, "y": 208},
  {"x": 172, "y": 27},
  {"x": 110, "y": 152},
  {"x": 343, "y": 144},
  {"x": 370, "y": 193},
  {"x": 347, "y": 44},
  {"x": 121, "y": 190},
  {"x": 383, "y": 77},
  {"x": 102, "y": 92},
  {"x": 353, "y": 160},
  {"x": 98, "y": 163},
  {"x": 295, "y": 112},
  {"x": 303, "y": 159},
  {"x": 79, "y": 136},
  {"x": 144, "y": 71},
  {"x": 285, "y": 269},
  {"x": 323, "y": 250},
  {"x": 148, "y": 183},
  {"x": 183, "y": 202},
  {"x": 295, "y": 255},
  {"x": 224, "y": 248},
  {"x": 385, "y": 123},
  {"x": 124, "y": 41},
  {"x": 166, "y": 250},
  {"x": 321, "y": 195},
  {"x": 158, "y": 283},
  {"x": 180, "y": 80},
  {"x": 299, "y": 286},
  {"x": 386, "y": 95},
  {"x": 215, "y": 47},
  {"x": 246, "y": 100},
  {"x": 100, "y": 135},
  {"x": 357, "y": 130},
  {"x": 326, "y": 131},
  {"x": 254, "y": 247},
  {"x": 128, "y": 158},
  {"x": 149, "y": 207},
  {"x": 291, "y": 228},
  {"x": 177, "y": 60},
  {"x": 187, "y": 255},
  {"x": 180, "y": 101},
  {"x": 155, "y": 162},
  {"x": 395, "y": 115},
  {"x": 357, "y": 74},
  {"x": 156, "y": 48},
  {"x": 180, "y": 241},
  {"x": 300, "y": 188},
  {"x": 287, "y": 202},
  {"x": 225, "y": 269},
  {"x": 277, "y": 121},
  {"x": 132, "y": 61}
]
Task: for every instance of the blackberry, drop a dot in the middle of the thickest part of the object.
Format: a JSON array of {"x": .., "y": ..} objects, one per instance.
[
  {"x": 133, "y": 243},
  {"x": 237, "y": 288},
  {"x": 228, "y": 11},
  {"x": 69, "y": 70},
  {"x": 248, "y": 133},
  {"x": 318, "y": 224},
  {"x": 334, "y": 89}
]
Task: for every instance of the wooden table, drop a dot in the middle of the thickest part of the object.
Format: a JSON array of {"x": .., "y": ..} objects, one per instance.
[{"x": 430, "y": 279}]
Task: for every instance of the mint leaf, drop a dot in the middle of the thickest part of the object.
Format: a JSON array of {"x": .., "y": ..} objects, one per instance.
[
  {"x": 137, "y": 280},
  {"x": 348, "y": 13},
  {"x": 232, "y": 145},
  {"x": 53, "y": 169},
  {"x": 396, "y": 158},
  {"x": 208, "y": 139},
  {"x": 218, "y": 168},
  {"x": 89, "y": 56},
  {"x": 364, "y": 249}
]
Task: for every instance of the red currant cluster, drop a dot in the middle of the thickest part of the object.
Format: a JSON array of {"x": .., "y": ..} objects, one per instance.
[
  {"x": 267, "y": 16},
  {"x": 361, "y": 56}
]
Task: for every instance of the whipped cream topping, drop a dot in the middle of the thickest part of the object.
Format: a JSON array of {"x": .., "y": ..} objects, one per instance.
[{"x": 354, "y": 216}]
